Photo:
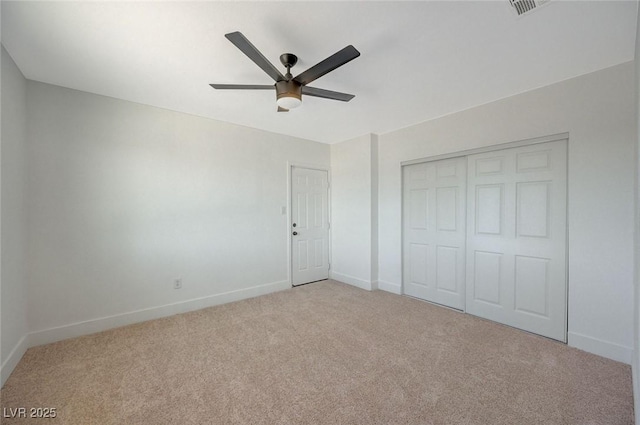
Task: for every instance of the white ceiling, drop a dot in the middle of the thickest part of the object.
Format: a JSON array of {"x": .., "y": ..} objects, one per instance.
[{"x": 420, "y": 60}]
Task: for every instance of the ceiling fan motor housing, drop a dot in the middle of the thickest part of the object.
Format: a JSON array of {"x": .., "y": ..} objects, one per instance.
[{"x": 290, "y": 88}]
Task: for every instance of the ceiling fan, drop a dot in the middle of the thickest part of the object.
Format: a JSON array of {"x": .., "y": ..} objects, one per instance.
[{"x": 289, "y": 89}]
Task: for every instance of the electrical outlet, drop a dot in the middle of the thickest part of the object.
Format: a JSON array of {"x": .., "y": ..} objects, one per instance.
[{"x": 177, "y": 284}]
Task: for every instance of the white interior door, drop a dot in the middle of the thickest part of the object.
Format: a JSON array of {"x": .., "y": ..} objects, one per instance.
[
  {"x": 516, "y": 237},
  {"x": 309, "y": 225},
  {"x": 434, "y": 231}
]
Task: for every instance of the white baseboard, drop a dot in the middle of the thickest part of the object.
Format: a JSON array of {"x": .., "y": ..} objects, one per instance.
[
  {"x": 601, "y": 347},
  {"x": 14, "y": 357},
  {"x": 73, "y": 330},
  {"x": 389, "y": 287},
  {"x": 351, "y": 280}
]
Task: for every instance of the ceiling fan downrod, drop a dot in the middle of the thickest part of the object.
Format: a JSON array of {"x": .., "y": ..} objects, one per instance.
[{"x": 288, "y": 60}]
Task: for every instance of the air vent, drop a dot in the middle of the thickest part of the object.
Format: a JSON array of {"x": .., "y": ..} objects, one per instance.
[{"x": 522, "y": 7}]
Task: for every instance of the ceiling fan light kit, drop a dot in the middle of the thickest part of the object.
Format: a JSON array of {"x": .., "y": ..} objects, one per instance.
[
  {"x": 288, "y": 94},
  {"x": 289, "y": 90}
]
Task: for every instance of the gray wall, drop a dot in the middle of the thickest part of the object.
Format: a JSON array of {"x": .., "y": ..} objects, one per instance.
[{"x": 13, "y": 216}]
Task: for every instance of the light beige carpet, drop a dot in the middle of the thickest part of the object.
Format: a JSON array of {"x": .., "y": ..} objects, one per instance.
[{"x": 324, "y": 353}]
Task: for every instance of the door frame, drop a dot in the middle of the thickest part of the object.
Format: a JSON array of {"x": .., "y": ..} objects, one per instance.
[
  {"x": 290, "y": 166},
  {"x": 483, "y": 149},
  {"x": 489, "y": 148}
]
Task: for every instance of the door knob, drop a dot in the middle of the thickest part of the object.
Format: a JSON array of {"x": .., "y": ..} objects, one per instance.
[
  {"x": 295, "y": 233},
  {"x": 294, "y": 224}
]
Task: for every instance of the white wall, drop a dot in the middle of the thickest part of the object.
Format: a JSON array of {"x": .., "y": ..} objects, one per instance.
[
  {"x": 352, "y": 209},
  {"x": 13, "y": 224},
  {"x": 124, "y": 198},
  {"x": 598, "y": 111}
]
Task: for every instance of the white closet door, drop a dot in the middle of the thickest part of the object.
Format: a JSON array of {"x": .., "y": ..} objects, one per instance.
[
  {"x": 516, "y": 237},
  {"x": 434, "y": 231}
]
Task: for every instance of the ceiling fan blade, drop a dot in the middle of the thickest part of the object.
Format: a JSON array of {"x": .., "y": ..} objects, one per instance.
[
  {"x": 329, "y": 64},
  {"x": 241, "y": 87},
  {"x": 281, "y": 109},
  {"x": 327, "y": 94},
  {"x": 241, "y": 42}
]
